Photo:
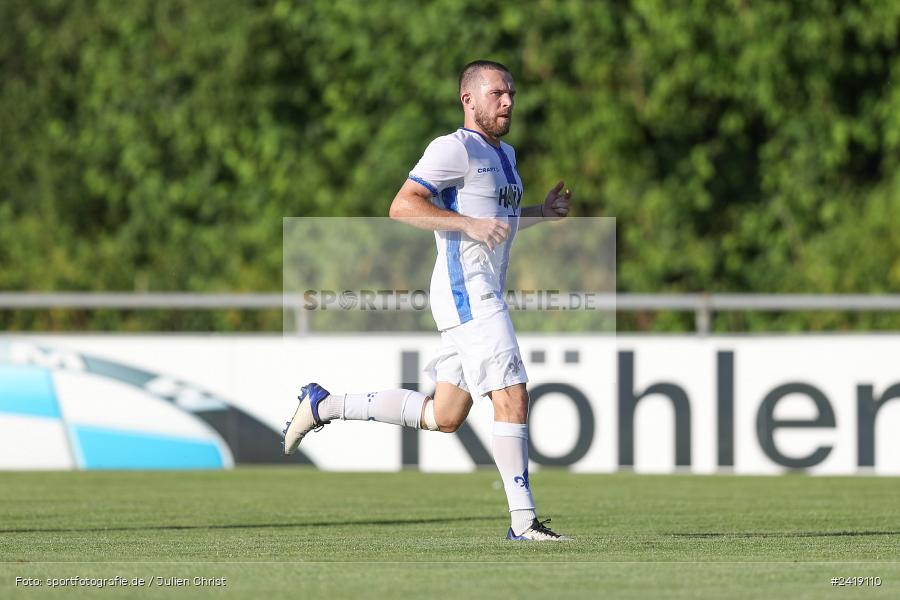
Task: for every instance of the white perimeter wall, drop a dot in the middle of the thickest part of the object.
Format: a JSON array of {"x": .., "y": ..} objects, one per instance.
[{"x": 261, "y": 375}]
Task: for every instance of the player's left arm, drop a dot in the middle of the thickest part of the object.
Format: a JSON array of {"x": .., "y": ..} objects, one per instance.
[{"x": 554, "y": 207}]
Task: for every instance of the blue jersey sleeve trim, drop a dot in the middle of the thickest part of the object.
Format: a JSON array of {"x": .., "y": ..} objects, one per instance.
[{"x": 420, "y": 181}]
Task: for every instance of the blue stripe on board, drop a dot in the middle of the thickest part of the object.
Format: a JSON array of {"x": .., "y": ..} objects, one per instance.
[
  {"x": 421, "y": 181},
  {"x": 27, "y": 390},
  {"x": 102, "y": 448}
]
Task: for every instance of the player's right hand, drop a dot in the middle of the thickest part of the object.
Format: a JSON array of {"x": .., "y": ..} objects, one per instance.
[{"x": 488, "y": 231}]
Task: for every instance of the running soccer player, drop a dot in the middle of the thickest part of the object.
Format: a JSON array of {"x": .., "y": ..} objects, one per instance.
[{"x": 467, "y": 190}]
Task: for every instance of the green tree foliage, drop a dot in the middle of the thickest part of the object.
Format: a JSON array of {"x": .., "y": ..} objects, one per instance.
[{"x": 156, "y": 145}]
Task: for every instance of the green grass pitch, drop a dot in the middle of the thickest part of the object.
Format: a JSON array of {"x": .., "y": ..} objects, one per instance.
[{"x": 279, "y": 531}]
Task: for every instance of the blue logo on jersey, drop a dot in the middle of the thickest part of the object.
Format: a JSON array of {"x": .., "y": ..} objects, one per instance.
[
  {"x": 510, "y": 196},
  {"x": 488, "y": 170}
]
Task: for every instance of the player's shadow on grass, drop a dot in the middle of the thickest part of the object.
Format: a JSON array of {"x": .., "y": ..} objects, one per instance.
[
  {"x": 779, "y": 534},
  {"x": 391, "y": 522}
]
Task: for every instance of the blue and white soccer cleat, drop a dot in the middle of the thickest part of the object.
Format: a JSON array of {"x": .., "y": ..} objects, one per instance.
[
  {"x": 306, "y": 417},
  {"x": 538, "y": 532}
]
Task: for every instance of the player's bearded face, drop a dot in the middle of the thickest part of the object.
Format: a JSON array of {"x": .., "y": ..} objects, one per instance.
[
  {"x": 494, "y": 120},
  {"x": 494, "y": 102}
]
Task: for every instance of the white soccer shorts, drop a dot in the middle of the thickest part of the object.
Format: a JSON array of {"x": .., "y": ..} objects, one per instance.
[{"x": 480, "y": 355}]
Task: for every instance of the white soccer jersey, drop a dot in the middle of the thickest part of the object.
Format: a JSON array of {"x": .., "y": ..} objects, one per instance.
[{"x": 469, "y": 176}]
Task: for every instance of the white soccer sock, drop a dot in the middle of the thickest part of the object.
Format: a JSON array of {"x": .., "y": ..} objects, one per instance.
[
  {"x": 510, "y": 443},
  {"x": 399, "y": 407},
  {"x": 521, "y": 520}
]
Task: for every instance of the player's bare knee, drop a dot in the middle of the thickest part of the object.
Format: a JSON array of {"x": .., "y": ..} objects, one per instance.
[
  {"x": 520, "y": 397},
  {"x": 450, "y": 420},
  {"x": 517, "y": 414},
  {"x": 451, "y": 423},
  {"x": 511, "y": 404},
  {"x": 450, "y": 426}
]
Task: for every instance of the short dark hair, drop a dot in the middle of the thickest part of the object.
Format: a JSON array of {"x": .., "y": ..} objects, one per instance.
[{"x": 471, "y": 70}]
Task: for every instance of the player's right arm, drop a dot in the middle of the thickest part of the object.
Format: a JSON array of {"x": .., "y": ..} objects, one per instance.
[
  {"x": 412, "y": 205},
  {"x": 444, "y": 165}
]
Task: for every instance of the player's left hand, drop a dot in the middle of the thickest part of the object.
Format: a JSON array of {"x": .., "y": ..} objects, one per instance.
[{"x": 556, "y": 205}]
